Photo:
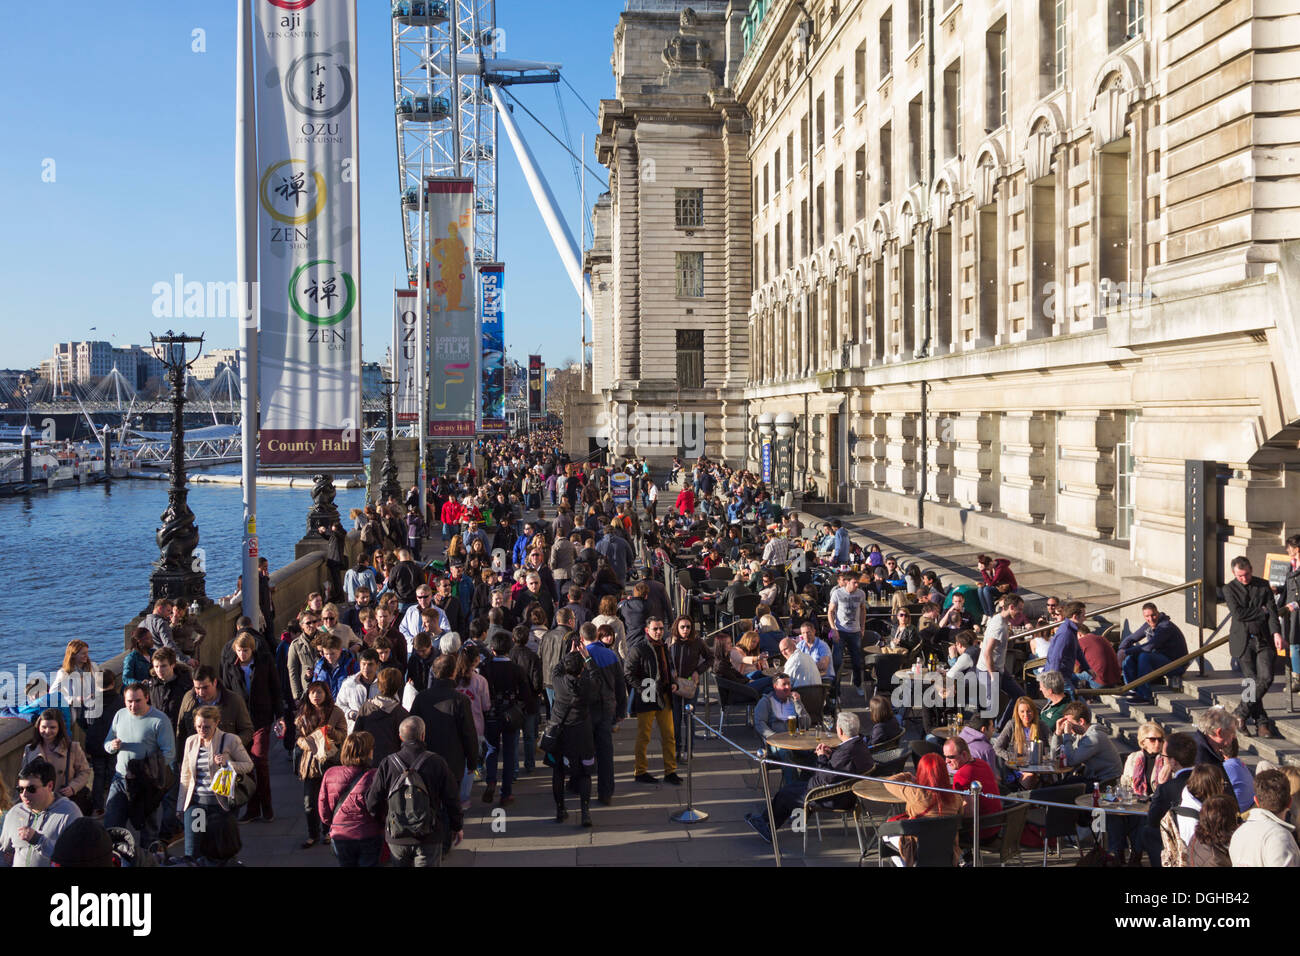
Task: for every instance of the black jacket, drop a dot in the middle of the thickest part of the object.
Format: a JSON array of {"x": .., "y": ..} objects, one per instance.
[
  {"x": 508, "y": 684},
  {"x": 419, "y": 670},
  {"x": 448, "y": 725},
  {"x": 606, "y": 672},
  {"x": 634, "y": 612},
  {"x": 455, "y": 615},
  {"x": 1253, "y": 613},
  {"x": 382, "y": 725},
  {"x": 335, "y": 546},
  {"x": 571, "y": 714},
  {"x": 649, "y": 661},
  {"x": 852, "y": 756},
  {"x": 443, "y": 785},
  {"x": 1168, "y": 794},
  {"x": 404, "y": 577},
  {"x": 265, "y": 702},
  {"x": 167, "y": 697},
  {"x": 531, "y": 665}
]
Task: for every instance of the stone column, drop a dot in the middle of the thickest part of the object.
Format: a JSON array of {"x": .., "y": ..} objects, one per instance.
[
  {"x": 875, "y": 438},
  {"x": 1024, "y": 466},
  {"x": 975, "y": 462},
  {"x": 900, "y": 471},
  {"x": 941, "y": 442},
  {"x": 1086, "y": 471}
]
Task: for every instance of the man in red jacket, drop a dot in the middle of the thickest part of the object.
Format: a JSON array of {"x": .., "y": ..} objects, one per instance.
[{"x": 450, "y": 517}]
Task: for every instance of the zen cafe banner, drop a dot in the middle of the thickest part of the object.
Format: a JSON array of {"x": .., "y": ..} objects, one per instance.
[
  {"x": 308, "y": 245},
  {"x": 454, "y": 342}
]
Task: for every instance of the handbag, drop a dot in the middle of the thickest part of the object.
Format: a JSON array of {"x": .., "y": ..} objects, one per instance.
[
  {"x": 685, "y": 687},
  {"x": 82, "y": 797},
  {"x": 221, "y": 841}
]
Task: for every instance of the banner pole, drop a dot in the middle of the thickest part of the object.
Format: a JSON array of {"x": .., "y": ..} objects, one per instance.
[
  {"x": 246, "y": 283},
  {"x": 421, "y": 351}
]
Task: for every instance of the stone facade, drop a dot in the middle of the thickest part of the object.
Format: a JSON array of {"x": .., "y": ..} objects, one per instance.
[
  {"x": 670, "y": 264},
  {"x": 1095, "y": 278}
]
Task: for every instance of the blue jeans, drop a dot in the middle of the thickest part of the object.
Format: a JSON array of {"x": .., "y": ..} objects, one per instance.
[
  {"x": 760, "y": 682},
  {"x": 499, "y": 739},
  {"x": 1138, "y": 663},
  {"x": 117, "y": 809},
  {"x": 527, "y": 754},
  {"x": 988, "y": 598},
  {"x": 603, "y": 735},
  {"x": 200, "y": 818},
  {"x": 788, "y": 775},
  {"x": 363, "y": 852},
  {"x": 852, "y": 640}
]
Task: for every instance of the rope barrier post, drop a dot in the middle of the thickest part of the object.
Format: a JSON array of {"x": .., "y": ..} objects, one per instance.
[
  {"x": 708, "y": 703},
  {"x": 767, "y": 798},
  {"x": 975, "y": 821},
  {"x": 689, "y": 814}
]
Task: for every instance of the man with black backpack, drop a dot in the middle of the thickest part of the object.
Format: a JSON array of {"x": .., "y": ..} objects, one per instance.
[{"x": 414, "y": 793}]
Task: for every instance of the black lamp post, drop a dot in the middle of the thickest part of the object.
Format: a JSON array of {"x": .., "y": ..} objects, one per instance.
[
  {"x": 178, "y": 573},
  {"x": 391, "y": 487}
]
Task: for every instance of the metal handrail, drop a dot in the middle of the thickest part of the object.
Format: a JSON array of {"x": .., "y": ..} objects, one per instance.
[{"x": 1024, "y": 635}]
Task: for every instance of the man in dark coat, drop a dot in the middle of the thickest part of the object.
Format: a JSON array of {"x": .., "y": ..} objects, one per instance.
[
  {"x": 1254, "y": 622},
  {"x": 336, "y": 559},
  {"x": 607, "y": 709},
  {"x": 448, "y": 724},
  {"x": 851, "y": 756},
  {"x": 651, "y": 683},
  {"x": 444, "y": 799}
]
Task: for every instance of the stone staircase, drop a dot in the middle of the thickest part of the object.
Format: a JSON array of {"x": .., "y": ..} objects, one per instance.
[{"x": 1175, "y": 710}]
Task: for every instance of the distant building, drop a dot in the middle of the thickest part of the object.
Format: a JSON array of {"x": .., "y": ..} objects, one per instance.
[
  {"x": 211, "y": 363},
  {"x": 372, "y": 374}
]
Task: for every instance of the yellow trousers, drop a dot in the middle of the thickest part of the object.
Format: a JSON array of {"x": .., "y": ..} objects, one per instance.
[{"x": 644, "y": 722}]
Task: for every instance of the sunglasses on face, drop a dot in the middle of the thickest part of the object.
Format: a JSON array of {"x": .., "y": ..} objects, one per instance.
[{"x": 31, "y": 788}]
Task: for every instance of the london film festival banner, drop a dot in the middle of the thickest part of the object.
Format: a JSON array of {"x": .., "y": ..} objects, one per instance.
[
  {"x": 535, "y": 386},
  {"x": 492, "y": 277},
  {"x": 406, "y": 393},
  {"x": 453, "y": 327},
  {"x": 309, "y": 250}
]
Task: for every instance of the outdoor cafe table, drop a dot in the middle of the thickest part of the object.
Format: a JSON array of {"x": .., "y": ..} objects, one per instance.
[
  {"x": 806, "y": 741},
  {"x": 1133, "y": 808},
  {"x": 875, "y": 791}
]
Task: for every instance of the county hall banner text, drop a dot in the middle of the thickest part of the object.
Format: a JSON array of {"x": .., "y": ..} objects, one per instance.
[
  {"x": 492, "y": 278},
  {"x": 406, "y": 394},
  {"x": 308, "y": 248},
  {"x": 453, "y": 329}
]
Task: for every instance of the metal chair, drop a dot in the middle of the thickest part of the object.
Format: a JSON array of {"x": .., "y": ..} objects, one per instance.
[
  {"x": 812, "y": 809},
  {"x": 935, "y": 837},
  {"x": 889, "y": 762},
  {"x": 732, "y": 694},
  {"x": 887, "y": 745},
  {"x": 1057, "y": 821},
  {"x": 1010, "y": 823}
]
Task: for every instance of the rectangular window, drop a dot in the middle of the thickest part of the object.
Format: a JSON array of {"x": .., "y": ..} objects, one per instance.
[
  {"x": 803, "y": 139},
  {"x": 1137, "y": 18},
  {"x": 860, "y": 74},
  {"x": 803, "y": 228},
  {"x": 915, "y": 138},
  {"x": 1126, "y": 19},
  {"x": 776, "y": 246},
  {"x": 1125, "y": 480},
  {"x": 995, "y": 67},
  {"x": 1059, "y": 43},
  {"x": 689, "y": 208},
  {"x": 913, "y": 23},
  {"x": 767, "y": 274},
  {"x": 1051, "y": 45},
  {"x": 757, "y": 196},
  {"x": 820, "y": 213},
  {"x": 767, "y": 195},
  {"x": 886, "y": 162},
  {"x": 789, "y": 156},
  {"x": 839, "y": 200},
  {"x": 690, "y": 274},
  {"x": 789, "y": 238},
  {"x": 776, "y": 171},
  {"x": 838, "y": 101},
  {"x": 821, "y": 120},
  {"x": 690, "y": 358},
  {"x": 860, "y": 184},
  {"x": 952, "y": 111},
  {"x": 887, "y": 43}
]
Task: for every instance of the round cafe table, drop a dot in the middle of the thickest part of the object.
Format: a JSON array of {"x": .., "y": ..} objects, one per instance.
[
  {"x": 808, "y": 741},
  {"x": 1133, "y": 808},
  {"x": 875, "y": 791}
]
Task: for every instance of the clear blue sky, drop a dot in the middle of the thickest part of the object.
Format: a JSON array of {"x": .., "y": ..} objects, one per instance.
[{"x": 139, "y": 128}]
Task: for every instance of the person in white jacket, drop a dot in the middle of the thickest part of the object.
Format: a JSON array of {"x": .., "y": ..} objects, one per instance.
[
  {"x": 360, "y": 687},
  {"x": 1265, "y": 838}
]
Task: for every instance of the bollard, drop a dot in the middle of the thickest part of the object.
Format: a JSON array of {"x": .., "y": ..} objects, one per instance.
[
  {"x": 689, "y": 814},
  {"x": 767, "y": 798},
  {"x": 975, "y": 821}
]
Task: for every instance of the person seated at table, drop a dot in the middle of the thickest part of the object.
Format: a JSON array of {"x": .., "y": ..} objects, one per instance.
[
  {"x": 957, "y": 618},
  {"x": 1212, "y": 838},
  {"x": 903, "y": 634},
  {"x": 963, "y": 655},
  {"x": 817, "y": 649},
  {"x": 826, "y": 542},
  {"x": 770, "y": 634},
  {"x": 729, "y": 660},
  {"x": 1145, "y": 769},
  {"x": 884, "y": 725},
  {"x": 978, "y": 734},
  {"x": 966, "y": 768},
  {"x": 894, "y": 574},
  {"x": 930, "y": 772},
  {"x": 1017, "y": 734},
  {"x": 768, "y": 591},
  {"x": 800, "y": 666},
  {"x": 874, "y": 557},
  {"x": 800, "y": 612},
  {"x": 772, "y": 715},
  {"x": 747, "y": 656},
  {"x": 850, "y": 755},
  {"x": 725, "y": 600},
  {"x": 931, "y": 636},
  {"x": 1153, "y": 645},
  {"x": 1088, "y": 750},
  {"x": 875, "y": 586},
  {"x": 930, "y": 579},
  {"x": 1052, "y": 684}
]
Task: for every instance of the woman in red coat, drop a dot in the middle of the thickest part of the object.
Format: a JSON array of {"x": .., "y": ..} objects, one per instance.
[{"x": 998, "y": 580}]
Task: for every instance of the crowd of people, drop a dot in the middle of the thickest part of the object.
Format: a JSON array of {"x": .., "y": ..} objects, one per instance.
[{"x": 525, "y": 612}]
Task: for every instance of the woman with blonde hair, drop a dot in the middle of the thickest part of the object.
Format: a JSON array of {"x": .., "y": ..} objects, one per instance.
[
  {"x": 1024, "y": 727},
  {"x": 77, "y": 680},
  {"x": 208, "y": 751}
]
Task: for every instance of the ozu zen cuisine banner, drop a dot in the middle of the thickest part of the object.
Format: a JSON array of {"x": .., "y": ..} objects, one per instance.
[
  {"x": 453, "y": 329},
  {"x": 492, "y": 296},
  {"x": 308, "y": 245},
  {"x": 406, "y": 395}
]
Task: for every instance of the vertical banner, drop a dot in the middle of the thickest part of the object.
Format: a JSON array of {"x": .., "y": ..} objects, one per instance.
[
  {"x": 308, "y": 233},
  {"x": 620, "y": 488},
  {"x": 492, "y": 278},
  {"x": 406, "y": 393},
  {"x": 535, "y": 381},
  {"x": 766, "y": 458},
  {"x": 453, "y": 335}
]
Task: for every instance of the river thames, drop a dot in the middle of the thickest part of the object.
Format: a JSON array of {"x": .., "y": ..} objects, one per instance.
[{"x": 80, "y": 558}]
